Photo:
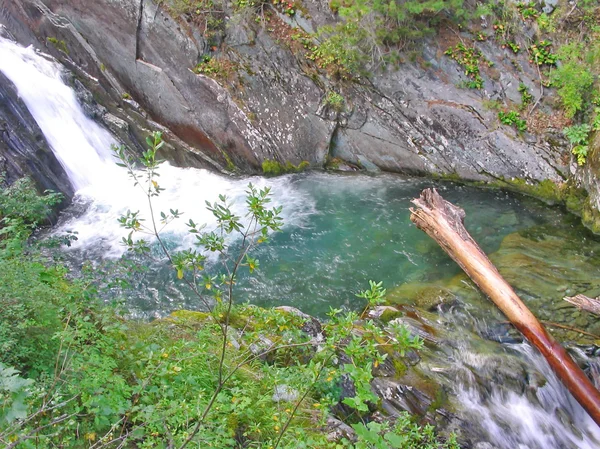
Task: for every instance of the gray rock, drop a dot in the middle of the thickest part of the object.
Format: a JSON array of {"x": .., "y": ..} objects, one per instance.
[
  {"x": 284, "y": 393},
  {"x": 336, "y": 430},
  {"x": 412, "y": 120}
]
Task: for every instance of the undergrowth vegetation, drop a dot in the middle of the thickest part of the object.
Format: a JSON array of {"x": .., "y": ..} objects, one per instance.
[{"x": 76, "y": 373}]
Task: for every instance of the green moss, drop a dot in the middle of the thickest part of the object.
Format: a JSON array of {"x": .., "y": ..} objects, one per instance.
[
  {"x": 58, "y": 44},
  {"x": 451, "y": 177},
  {"x": 275, "y": 168},
  {"x": 440, "y": 400},
  {"x": 575, "y": 199},
  {"x": 425, "y": 296},
  {"x": 188, "y": 315},
  {"x": 590, "y": 217},
  {"x": 547, "y": 190},
  {"x": 399, "y": 366},
  {"x": 230, "y": 167}
]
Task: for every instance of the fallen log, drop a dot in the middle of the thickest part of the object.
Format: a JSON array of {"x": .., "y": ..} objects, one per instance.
[
  {"x": 443, "y": 222},
  {"x": 586, "y": 303}
]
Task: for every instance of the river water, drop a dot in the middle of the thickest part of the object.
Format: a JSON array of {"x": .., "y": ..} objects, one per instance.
[{"x": 342, "y": 230}]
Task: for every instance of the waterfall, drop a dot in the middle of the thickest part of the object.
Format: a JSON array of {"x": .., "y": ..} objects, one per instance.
[
  {"x": 80, "y": 144},
  {"x": 103, "y": 189}
]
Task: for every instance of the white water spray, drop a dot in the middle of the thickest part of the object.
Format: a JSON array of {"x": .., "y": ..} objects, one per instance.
[
  {"x": 546, "y": 418},
  {"x": 84, "y": 150}
]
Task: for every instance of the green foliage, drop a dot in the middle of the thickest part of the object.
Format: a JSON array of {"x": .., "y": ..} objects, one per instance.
[
  {"x": 578, "y": 136},
  {"x": 526, "y": 97},
  {"x": 13, "y": 395},
  {"x": 371, "y": 32},
  {"x": 541, "y": 54},
  {"x": 573, "y": 79},
  {"x": 513, "y": 46},
  {"x": 404, "y": 434},
  {"x": 527, "y": 10},
  {"x": 220, "y": 69},
  {"x": 469, "y": 58},
  {"x": 58, "y": 44},
  {"x": 596, "y": 119},
  {"x": 547, "y": 23},
  {"x": 512, "y": 118},
  {"x": 335, "y": 101},
  {"x": 21, "y": 205},
  {"x": 209, "y": 14}
]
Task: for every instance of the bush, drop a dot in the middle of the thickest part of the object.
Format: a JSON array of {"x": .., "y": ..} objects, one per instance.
[
  {"x": 513, "y": 118},
  {"x": 578, "y": 136},
  {"x": 20, "y": 204},
  {"x": 573, "y": 78},
  {"x": 371, "y": 31}
]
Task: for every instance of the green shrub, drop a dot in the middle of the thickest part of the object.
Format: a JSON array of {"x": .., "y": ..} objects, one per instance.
[
  {"x": 512, "y": 118},
  {"x": 573, "y": 81},
  {"x": 526, "y": 97},
  {"x": 335, "y": 101},
  {"x": 371, "y": 32},
  {"x": 578, "y": 136},
  {"x": 573, "y": 78},
  {"x": 21, "y": 202},
  {"x": 469, "y": 58}
]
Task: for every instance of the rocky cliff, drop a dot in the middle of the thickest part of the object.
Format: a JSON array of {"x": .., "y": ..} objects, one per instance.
[{"x": 272, "y": 103}]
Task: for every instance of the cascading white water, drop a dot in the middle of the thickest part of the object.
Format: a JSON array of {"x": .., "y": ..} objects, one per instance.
[
  {"x": 84, "y": 150},
  {"x": 549, "y": 417},
  {"x": 81, "y": 146}
]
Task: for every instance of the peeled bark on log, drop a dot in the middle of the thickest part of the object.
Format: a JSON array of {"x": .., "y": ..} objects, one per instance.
[
  {"x": 443, "y": 222},
  {"x": 586, "y": 303}
]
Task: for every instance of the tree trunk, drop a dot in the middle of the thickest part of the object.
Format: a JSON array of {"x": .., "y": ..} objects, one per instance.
[
  {"x": 443, "y": 222},
  {"x": 586, "y": 303}
]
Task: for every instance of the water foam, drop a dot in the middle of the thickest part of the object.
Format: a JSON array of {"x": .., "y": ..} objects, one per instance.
[{"x": 547, "y": 417}]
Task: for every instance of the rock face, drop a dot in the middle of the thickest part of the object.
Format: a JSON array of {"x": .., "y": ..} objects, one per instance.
[{"x": 271, "y": 103}]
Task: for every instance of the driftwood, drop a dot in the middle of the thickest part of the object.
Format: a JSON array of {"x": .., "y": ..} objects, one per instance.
[
  {"x": 586, "y": 303},
  {"x": 443, "y": 222}
]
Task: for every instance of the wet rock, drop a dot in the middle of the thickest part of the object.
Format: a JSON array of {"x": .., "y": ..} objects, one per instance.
[
  {"x": 261, "y": 346},
  {"x": 397, "y": 398},
  {"x": 383, "y": 313},
  {"x": 549, "y": 6},
  {"x": 115, "y": 123},
  {"x": 484, "y": 445},
  {"x": 311, "y": 325},
  {"x": 336, "y": 430},
  {"x": 423, "y": 295},
  {"x": 284, "y": 393},
  {"x": 416, "y": 328}
]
